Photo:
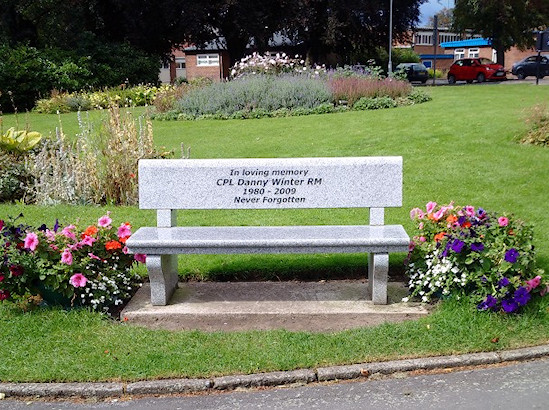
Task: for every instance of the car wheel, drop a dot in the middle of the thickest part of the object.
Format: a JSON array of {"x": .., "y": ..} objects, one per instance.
[
  {"x": 481, "y": 77},
  {"x": 451, "y": 79},
  {"x": 423, "y": 81},
  {"x": 520, "y": 74}
]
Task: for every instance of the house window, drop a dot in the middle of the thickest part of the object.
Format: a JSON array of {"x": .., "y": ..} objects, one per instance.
[
  {"x": 459, "y": 53},
  {"x": 473, "y": 53},
  {"x": 427, "y": 63},
  {"x": 203, "y": 60},
  {"x": 424, "y": 39},
  {"x": 179, "y": 62}
]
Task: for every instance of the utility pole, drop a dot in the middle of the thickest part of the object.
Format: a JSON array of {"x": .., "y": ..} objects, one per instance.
[
  {"x": 390, "y": 64},
  {"x": 435, "y": 45}
]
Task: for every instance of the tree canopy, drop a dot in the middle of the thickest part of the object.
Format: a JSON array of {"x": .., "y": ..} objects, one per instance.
[{"x": 505, "y": 22}]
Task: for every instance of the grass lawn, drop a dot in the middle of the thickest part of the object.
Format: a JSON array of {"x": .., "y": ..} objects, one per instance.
[{"x": 461, "y": 146}]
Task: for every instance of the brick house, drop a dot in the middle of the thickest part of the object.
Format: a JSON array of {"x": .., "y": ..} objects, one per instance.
[{"x": 189, "y": 61}]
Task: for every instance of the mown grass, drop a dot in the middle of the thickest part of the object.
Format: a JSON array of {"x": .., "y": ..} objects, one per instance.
[
  {"x": 461, "y": 146},
  {"x": 54, "y": 345}
]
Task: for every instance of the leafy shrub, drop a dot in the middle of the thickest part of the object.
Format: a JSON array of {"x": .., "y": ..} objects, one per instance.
[
  {"x": 255, "y": 93},
  {"x": 257, "y": 64},
  {"x": 370, "y": 71},
  {"x": 437, "y": 74},
  {"x": 418, "y": 96},
  {"x": 351, "y": 89},
  {"x": 14, "y": 177},
  {"x": 375, "y": 103},
  {"x": 101, "y": 167},
  {"x": 85, "y": 267},
  {"x": 466, "y": 251},
  {"x": 538, "y": 122}
]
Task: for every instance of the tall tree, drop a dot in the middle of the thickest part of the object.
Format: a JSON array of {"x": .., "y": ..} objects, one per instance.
[
  {"x": 445, "y": 18},
  {"x": 505, "y": 22}
]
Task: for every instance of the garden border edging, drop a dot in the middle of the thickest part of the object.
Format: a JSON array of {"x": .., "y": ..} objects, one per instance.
[{"x": 301, "y": 376}]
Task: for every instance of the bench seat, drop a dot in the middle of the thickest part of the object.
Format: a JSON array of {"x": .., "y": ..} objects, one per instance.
[{"x": 269, "y": 239}]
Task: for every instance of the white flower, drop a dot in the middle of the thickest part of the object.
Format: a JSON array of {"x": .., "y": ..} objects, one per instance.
[{"x": 405, "y": 299}]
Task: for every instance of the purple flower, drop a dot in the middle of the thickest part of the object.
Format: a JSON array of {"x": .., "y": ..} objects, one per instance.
[
  {"x": 477, "y": 246},
  {"x": 509, "y": 305},
  {"x": 56, "y": 226},
  {"x": 484, "y": 279},
  {"x": 489, "y": 303},
  {"x": 481, "y": 213},
  {"x": 511, "y": 255},
  {"x": 457, "y": 246},
  {"x": 521, "y": 296},
  {"x": 503, "y": 282}
]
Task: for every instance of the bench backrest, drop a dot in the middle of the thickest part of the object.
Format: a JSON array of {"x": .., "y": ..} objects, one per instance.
[{"x": 267, "y": 183}]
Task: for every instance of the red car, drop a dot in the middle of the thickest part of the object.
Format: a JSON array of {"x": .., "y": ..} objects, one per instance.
[{"x": 480, "y": 69}]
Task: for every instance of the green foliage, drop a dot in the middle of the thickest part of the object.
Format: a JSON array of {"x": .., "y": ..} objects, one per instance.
[
  {"x": 418, "y": 96},
  {"x": 466, "y": 251},
  {"x": 437, "y": 74},
  {"x": 19, "y": 141},
  {"x": 14, "y": 177},
  {"x": 375, "y": 103},
  {"x": 28, "y": 73}
]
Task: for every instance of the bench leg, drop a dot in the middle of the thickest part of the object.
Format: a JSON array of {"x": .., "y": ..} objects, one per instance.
[
  {"x": 378, "y": 268},
  {"x": 163, "y": 276}
]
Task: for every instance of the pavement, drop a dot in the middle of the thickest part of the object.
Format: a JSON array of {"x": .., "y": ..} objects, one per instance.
[
  {"x": 312, "y": 306},
  {"x": 324, "y": 306}
]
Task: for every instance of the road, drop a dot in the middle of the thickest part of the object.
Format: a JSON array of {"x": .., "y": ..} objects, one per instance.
[{"x": 511, "y": 386}]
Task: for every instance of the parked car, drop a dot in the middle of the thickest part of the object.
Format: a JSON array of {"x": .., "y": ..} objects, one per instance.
[
  {"x": 479, "y": 69},
  {"x": 528, "y": 67},
  {"x": 414, "y": 71}
]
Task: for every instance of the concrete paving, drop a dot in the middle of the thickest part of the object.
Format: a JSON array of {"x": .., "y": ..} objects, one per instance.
[{"x": 297, "y": 306}]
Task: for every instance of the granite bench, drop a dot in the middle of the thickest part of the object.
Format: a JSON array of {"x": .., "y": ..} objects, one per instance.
[{"x": 351, "y": 182}]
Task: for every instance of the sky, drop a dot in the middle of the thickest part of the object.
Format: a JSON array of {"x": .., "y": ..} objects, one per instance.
[{"x": 431, "y": 7}]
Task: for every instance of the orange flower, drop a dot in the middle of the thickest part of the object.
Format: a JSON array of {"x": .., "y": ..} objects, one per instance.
[
  {"x": 511, "y": 232},
  {"x": 113, "y": 245},
  {"x": 430, "y": 216},
  {"x": 439, "y": 236},
  {"x": 123, "y": 239},
  {"x": 452, "y": 219},
  {"x": 90, "y": 231},
  {"x": 467, "y": 224}
]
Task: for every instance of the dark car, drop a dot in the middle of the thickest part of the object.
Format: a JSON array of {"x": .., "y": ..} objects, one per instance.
[
  {"x": 414, "y": 71},
  {"x": 479, "y": 69},
  {"x": 528, "y": 67}
]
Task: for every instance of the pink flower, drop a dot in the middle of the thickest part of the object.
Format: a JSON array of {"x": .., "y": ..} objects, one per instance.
[
  {"x": 124, "y": 231},
  {"x": 421, "y": 225},
  {"x": 91, "y": 255},
  {"x": 78, "y": 280},
  {"x": 439, "y": 214},
  {"x": 430, "y": 206},
  {"x": 104, "y": 221},
  {"x": 533, "y": 283},
  {"x": 503, "y": 221},
  {"x": 125, "y": 250},
  {"x": 54, "y": 247},
  {"x": 50, "y": 235},
  {"x": 88, "y": 240},
  {"x": 416, "y": 213},
  {"x": 470, "y": 210},
  {"x": 67, "y": 232},
  {"x": 66, "y": 257},
  {"x": 139, "y": 257},
  {"x": 422, "y": 239},
  {"x": 31, "y": 241}
]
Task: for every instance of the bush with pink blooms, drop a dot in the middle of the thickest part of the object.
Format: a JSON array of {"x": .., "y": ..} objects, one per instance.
[
  {"x": 467, "y": 251},
  {"x": 86, "y": 267}
]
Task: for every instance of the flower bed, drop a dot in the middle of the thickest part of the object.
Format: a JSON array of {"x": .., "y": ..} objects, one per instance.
[
  {"x": 89, "y": 267},
  {"x": 460, "y": 250}
]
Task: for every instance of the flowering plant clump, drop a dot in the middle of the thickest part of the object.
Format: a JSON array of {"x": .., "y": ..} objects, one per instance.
[
  {"x": 89, "y": 267},
  {"x": 275, "y": 65},
  {"x": 463, "y": 250}
]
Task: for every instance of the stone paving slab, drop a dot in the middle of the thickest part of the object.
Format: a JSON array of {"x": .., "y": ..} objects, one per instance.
[{"x": 297, "y": 306}]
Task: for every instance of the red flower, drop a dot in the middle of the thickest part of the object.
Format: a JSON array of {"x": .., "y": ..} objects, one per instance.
[
  {"x": 2, "y": 277},
  {"x": 16, "y": 270},
  {"x": 90, "y": 231},
  {"x": 4, "y": 294},
  {"x": 113, "y": 245}
]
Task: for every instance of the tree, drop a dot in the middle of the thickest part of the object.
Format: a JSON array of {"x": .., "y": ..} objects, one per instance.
[
  {"x": 445, "y": 18},
  {"x": 506, "y": 22}
]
